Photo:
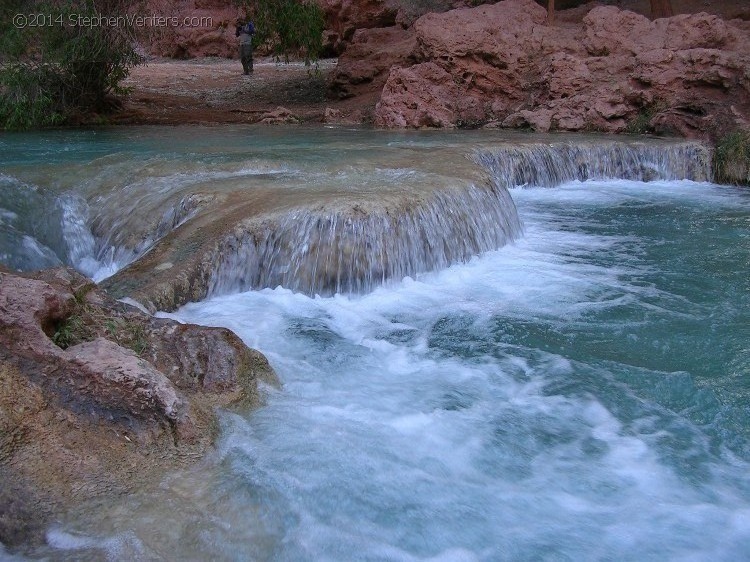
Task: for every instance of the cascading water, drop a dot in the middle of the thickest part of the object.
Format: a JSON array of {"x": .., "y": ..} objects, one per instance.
[
  {"x": 325, "y": 246},
  {"x": 320, "y": 251},
  {"x": 30, "y": 226},
  {"x": 579, "y": 394},
  {"x": 548, "y": 165}
]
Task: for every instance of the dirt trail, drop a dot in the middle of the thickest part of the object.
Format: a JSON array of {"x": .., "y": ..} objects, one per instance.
[{"x": 214, "y": 90}]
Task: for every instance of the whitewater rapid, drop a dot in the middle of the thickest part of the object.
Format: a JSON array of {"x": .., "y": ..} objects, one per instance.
[
  {"x": 563, "y": 397},
  {"x": 579, "y": 393}
]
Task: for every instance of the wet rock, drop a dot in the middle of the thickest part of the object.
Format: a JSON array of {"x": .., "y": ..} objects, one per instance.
[
  {"x": 322, "y": 247},
  {"x": 97, "y": 397},
  {"x": 279, "y": 116}
]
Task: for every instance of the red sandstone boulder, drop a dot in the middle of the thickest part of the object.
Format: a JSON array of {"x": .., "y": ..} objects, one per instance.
[
  {"x": 486, "y": 52},
  {"x": 688, "y": 75},
  {"x": 363, "y": 68},
  {"x": 96, "y": 396},
  {"x": 428, "y": 97},
  {"x": 345, "y": 17}
]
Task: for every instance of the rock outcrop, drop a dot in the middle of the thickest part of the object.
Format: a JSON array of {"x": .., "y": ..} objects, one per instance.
[
  {"x": 194, "y": 28},
  {"x": 363, "y": 68},
  {"x": 97, "y": 397},
  {"x": 503, "y": 65},
  {"x": 345, "y": 17}
]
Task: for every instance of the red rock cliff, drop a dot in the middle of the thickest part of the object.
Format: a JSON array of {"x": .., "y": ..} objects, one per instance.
[{"x": 503, "y": 65}]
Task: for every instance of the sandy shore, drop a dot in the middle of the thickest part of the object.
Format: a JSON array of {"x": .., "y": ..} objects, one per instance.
[{"x": 214, "y": 90}]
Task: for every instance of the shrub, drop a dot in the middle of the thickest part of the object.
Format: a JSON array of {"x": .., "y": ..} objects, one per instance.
[
  {"x": 59, "y": 71},
  {"x": 288, "y": 27},
  {"x": 731, "y": 162}
]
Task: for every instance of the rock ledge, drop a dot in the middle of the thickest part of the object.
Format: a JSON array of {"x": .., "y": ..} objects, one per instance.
[{"x": 97, "y": 397}]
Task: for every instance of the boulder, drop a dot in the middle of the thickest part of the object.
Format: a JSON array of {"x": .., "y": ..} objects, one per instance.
[
  {"x": 615, "y": 71},
  {"x": 279, "y": 116},
  {"x": 425, "y": 95},
  {"x": 97, "y": 396},
  {"x": 363, "y": 68},
  {"x": 345, "y": 17}
]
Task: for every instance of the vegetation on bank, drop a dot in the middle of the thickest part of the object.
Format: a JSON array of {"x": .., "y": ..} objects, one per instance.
[
  {"x": 58, "y": 67},
  {"x": 88, "y": 322},
  {"x": 731, "y": 160},
  {"x": 63, "y": 61},
  {"x": 287, "y": 27}
]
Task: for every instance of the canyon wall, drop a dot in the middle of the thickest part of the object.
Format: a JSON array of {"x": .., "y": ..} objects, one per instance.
[
  {"x": 598, "y": 67},
  {"x": 502, "y": 65}
]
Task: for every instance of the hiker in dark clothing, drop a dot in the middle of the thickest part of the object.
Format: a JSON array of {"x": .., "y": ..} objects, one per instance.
[{"x": 245, "y": 32}]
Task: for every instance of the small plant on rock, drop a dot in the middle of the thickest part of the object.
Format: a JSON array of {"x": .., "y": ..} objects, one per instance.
[{"x": 731, "y": 162}]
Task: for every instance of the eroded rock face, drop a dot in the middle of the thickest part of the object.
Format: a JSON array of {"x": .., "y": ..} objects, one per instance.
[
  {"x": 204, "y": 28},
  {"x": 428, "y": 98},
  {"x": 345, "y": 17},
  {"x": 363, "y": 68},
  {"x": 96, "y": 396},
  {"x": 688, "y": 75}
]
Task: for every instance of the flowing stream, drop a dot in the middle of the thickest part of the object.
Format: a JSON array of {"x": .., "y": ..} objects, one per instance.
[{"x": 563, "y": 375}]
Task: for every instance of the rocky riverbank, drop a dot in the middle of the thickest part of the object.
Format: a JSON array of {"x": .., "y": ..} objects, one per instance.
[
  {"x": 504, "y": 65},
  {"x": 98, "y": 398},
  {"x": 595, "y": 68}
]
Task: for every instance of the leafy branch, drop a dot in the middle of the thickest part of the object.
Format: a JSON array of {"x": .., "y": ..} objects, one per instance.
[
  {"x": 288, "y": 28},
  {"x": 58, "y": 71}
]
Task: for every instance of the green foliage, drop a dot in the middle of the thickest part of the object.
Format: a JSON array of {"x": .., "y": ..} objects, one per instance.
[
  {"x": 88, "y": 323},
  {"x": 641, "y": 123},
  {"x": 288, "y": 28},
  {"x": 731, "y": 162},
  {"x": 59, "y": 69},
  {"x": 68, "y": 333},
  {"x": 135, "y": 337},
  {"x": 127, "y": 333},
  {"x": 29, "y": 97}
]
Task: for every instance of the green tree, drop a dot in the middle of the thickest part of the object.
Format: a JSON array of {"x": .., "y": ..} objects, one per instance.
[
  {"x": 62, "y": 60},
  {"x": 288, "y": 27}
]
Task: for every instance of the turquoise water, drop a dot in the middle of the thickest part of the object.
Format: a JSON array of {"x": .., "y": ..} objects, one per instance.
[{"x": 580, "y": 394}]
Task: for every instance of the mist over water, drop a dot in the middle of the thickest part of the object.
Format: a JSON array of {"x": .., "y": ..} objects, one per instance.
[{"x": 579, "y": 394}]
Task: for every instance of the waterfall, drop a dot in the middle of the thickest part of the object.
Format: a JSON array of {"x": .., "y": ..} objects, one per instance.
[
  {"x": 77, "y": 235},
  {"x": 353, "y": 250},
  {"x": 323, "y": 251},
  {"x": 40, "y": 229},
  {"x": 123, "y": 237},
  {"x": 548, "y": 165},
  {"x": 311, "y": 233},
  {"x": 30, "y": 226}
]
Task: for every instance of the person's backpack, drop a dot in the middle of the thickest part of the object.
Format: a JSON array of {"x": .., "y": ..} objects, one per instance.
[{"x": 248, "y": 28}]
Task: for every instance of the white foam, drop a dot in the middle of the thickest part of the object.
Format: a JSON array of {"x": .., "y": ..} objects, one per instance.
[
  {"x": 410, "y": 428},
  {"x": 459, "y": 438}
]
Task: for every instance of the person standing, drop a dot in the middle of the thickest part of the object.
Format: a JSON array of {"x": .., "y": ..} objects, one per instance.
[{"x": 245, "y": 32}]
